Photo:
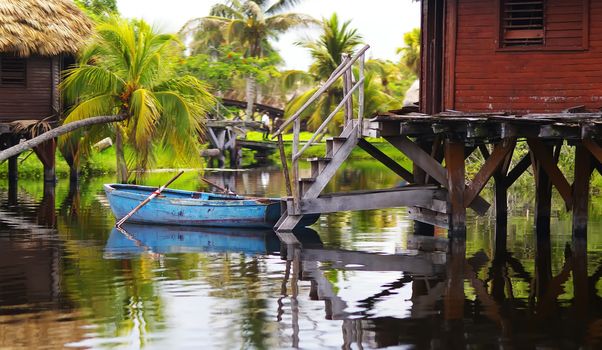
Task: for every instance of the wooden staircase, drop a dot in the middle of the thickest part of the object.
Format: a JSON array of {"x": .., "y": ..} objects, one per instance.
[
  {"x": 305, "y": 193},
  {"x": 323, "y": 170}
]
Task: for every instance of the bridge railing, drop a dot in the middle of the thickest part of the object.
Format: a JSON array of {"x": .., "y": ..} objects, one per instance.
[{"x": 350, "y": 85}]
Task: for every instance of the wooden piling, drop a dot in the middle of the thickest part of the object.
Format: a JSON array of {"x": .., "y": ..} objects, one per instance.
[
  {"x": 420, "y": 177},
  {"x": 454, "y": 160},
  {"x": 13, "y": 169},
  {"x": 543, "y": 195},
  {"x": 583, "y": 166},
  {"x": 46, "y": 153}
]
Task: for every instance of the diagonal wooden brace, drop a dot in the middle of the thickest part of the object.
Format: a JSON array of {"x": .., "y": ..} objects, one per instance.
[
  {"x": 493, "y": 162},
  {"x": 548, "y": 164},
  {"x": 386, "y": 160},
  {"x": 431, "y": 167}
]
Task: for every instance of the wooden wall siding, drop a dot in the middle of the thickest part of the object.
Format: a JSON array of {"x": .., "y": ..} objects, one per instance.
[
  {"x": 488, "y": 78},
  {"x": 33, "y": 101}
]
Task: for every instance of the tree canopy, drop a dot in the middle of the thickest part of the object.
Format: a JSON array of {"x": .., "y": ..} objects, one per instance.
[{"x": 129, "y": 69}]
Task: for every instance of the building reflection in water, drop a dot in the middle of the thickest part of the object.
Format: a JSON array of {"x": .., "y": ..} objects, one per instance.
[
  {"x": 33, "y": 312},
  {"x": 455, "y": 302}
]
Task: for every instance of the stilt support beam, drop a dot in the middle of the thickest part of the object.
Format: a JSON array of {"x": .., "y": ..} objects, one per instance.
[
  {"x": 454, "y": 159},
  {"x": 583, "y": 170}
]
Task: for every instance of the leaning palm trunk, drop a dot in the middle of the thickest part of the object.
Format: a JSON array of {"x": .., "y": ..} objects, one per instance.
[
  {"x": 251, "y": 92},
  {"x": 54, "y": 133}
]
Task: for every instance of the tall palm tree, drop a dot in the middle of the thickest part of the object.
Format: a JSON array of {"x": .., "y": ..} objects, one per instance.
[
  {"x": 248, "y": 26},
  {"x": 128, "y": 69},
  {"x": 410, "y": 53},
  {"x": 337, "y": 38}
]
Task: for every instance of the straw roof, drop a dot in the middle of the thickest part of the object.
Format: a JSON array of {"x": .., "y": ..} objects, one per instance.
[{"x": 42, "y": 27}]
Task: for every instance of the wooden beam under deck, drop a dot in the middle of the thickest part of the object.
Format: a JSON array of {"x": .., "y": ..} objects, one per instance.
[
  {"x": 548, "y": 164},
  {"x": 493, "y": 163},
  {"x": 386, "y": 160},
  {"x": 432, "y": 167},
  {"x": 423, "y": 196}
]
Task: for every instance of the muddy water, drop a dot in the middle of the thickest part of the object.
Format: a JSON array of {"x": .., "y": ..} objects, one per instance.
[{"x": 67, "y": 279}]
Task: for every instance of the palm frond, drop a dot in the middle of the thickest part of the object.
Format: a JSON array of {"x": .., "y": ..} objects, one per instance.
[
  {"x": 91, "y": 107},
  {"x": 89, "y": 79},
  {"x": 145, "y": 111},
  {"x": 226, "y": 11},
  {"x": 283, "y": 22},
  {"x": 282, "y": 5}
]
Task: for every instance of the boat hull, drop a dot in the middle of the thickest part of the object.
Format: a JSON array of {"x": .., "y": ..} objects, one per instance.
[{"x": 176, "y": 207}]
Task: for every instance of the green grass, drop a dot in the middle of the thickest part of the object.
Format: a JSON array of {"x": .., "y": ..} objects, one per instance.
[
  {"x": 99, "y": 163},
  {"x": 104, "y": 162}
]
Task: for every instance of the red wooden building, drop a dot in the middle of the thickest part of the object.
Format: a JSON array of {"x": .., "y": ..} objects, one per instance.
[{"x": 518, "y": 56}]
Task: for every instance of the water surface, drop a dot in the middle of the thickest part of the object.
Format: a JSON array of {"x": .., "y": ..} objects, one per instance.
[{"x": 67, "y": 279}]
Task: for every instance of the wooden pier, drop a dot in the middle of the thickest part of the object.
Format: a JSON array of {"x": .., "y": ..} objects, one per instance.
[{"x": 438, "y": 191}]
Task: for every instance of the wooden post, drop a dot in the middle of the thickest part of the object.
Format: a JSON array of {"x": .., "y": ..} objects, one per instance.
[
  {"x": 454, "y": 160},
  {"x": 420, "y": 178},
  {"x": 543, "y": 196},
  {"x": 13, "y": 169},
  {"x": 46, "y": 153},
  {"x": 583, "y": 166},
  {"x": 287, "y": 178},
  {"x": 501, "y": 203},
  {"x": 295, "y": 173}
]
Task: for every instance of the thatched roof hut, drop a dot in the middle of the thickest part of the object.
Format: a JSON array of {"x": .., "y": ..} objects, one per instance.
[{"x": 42, "y": 27}]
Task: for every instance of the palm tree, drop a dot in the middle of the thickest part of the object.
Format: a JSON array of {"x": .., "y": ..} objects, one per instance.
[
  {"x": 127, "y": 69},
  {"x": 248, "y": 26},
  {"x": 410, "y": 54},
  {"x": 337, "y": 38}
]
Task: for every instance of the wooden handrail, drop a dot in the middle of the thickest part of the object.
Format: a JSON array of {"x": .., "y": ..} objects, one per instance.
[
  {"x": 339, "y": 72},
  {"x": 345, "y": 70},
  {"x": 328, "y": 119}
]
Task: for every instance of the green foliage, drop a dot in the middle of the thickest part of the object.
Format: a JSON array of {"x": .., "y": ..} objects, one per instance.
[
  {"x": 248, "y": 26},
  {"x": 128, "y": 68},
  {"x": 98, "y": 9},
  {"x": 338, "y": 38},
  {"x": 410, "y": 53},
  {"x": 221, "y": 72},
  {"x": 335, "y": 40}
]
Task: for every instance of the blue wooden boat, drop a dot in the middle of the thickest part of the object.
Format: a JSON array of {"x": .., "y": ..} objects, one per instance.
[{"x": 178, "y": 207}]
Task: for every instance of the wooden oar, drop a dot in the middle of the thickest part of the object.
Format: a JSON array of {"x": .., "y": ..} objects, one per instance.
[
  {"x": 224, "y": 190},
  {"x": 144, "y": 202}
]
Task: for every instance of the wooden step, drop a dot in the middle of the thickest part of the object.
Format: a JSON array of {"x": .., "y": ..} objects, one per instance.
[
  {"x": 333, "y": 144},
  {"x": 318, "y": 164},
  {"x": 305, "y": 183}
]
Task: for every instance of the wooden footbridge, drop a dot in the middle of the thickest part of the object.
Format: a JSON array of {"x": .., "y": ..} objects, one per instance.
[
  {"x": 439, "y": 192},
  {"x": 226, "y": 136}
]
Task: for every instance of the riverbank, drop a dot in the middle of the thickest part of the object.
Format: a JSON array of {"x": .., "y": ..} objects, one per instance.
[{"x": 103, "y": 163}]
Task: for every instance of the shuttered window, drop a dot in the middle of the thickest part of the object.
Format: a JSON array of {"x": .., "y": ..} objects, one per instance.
[
  {"x": 523, "y": 23},
  {"x": 13, "y": 71}
]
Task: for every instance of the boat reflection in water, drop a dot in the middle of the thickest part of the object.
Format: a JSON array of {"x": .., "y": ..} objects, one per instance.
[{"x": 136, "y": 239}]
